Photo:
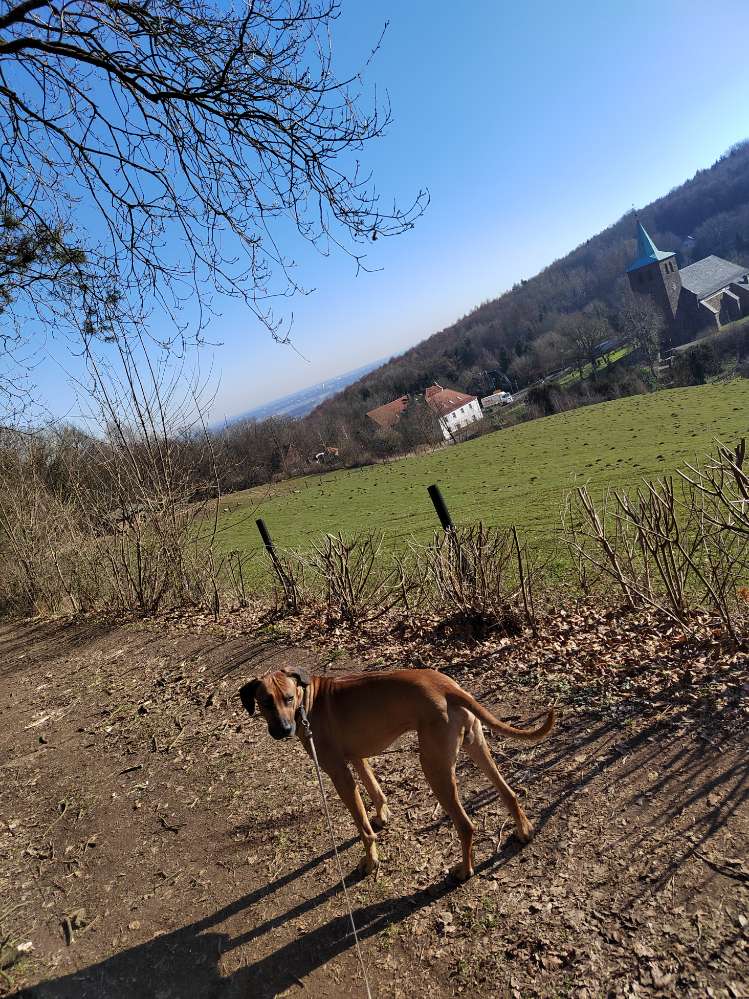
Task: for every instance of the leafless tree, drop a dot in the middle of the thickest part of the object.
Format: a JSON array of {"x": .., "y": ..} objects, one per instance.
[
  {"x": 419, "y": 424},
  {"x": 643, "y": 326},
  {"x": 549, "y": 351},
  {"x": 168, "y": 147},
  {"x": 582, "y": 332}
]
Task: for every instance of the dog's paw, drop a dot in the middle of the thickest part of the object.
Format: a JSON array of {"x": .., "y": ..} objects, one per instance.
[
  {"x": 380, "y": 821},
  {"x": 524, "y": 833},
  {"x": 461, "y": 873},
  {"x": 368, "y": 865}
]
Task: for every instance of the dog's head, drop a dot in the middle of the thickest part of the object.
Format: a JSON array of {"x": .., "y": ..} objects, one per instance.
[{"x": 277, "y": 697}]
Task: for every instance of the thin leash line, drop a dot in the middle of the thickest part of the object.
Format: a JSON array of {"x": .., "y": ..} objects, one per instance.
[{"x": 308, "y": 732}]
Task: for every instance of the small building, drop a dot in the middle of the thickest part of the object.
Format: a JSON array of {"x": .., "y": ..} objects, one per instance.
[
  {"x": 327, "y": 455},
  {"x": 387, "y": 415},
  {"x": 455, "y": 410},
  {"x": 496, "y": 399},
  {"x": 706, "y": 294}
]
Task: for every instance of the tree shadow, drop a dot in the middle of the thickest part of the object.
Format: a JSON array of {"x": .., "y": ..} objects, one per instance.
[
  {"x": 696, "y": 786},
  {"x": 184, "y": 964},
  {"x": 699, "y": 786},
  {"x": 41, "y": 641},
  {"x": 44, "y": 641}
]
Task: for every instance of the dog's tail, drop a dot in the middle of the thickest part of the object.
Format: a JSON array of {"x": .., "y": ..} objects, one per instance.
[{"x": 465, "y": 699}]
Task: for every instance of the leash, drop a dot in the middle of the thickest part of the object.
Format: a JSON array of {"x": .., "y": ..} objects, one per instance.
[{"x": 308, "y": 732}]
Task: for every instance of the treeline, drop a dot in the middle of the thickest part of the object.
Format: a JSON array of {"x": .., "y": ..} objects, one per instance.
[{"x": 248, "y": 453}]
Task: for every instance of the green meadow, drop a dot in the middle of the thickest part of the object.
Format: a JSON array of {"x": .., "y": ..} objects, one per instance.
[{"x": 515, "y": 476}]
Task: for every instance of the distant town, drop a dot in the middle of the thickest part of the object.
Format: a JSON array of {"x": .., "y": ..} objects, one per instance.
[{"x": 300, "y": 403}]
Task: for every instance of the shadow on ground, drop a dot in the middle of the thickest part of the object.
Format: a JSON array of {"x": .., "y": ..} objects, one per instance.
[
  {"x": 678, "y": 789},
  {"x": 187, "y": 962}
]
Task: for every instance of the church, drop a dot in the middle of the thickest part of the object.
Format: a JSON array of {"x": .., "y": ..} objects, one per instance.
[{"x": 703, "y": 296}]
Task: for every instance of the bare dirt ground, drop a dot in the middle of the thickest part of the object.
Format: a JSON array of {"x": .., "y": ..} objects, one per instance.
[{"x": 155, "y": 842}]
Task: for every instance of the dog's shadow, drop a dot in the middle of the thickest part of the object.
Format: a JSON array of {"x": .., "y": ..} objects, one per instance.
[{"x": 184, "y": 964}]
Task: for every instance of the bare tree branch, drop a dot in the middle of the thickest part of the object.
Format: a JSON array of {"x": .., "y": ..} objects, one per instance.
[{"x": 179, "y": 143}]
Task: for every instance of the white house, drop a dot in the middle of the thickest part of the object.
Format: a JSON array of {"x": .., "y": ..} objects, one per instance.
[{"x": 455, "y": 410}]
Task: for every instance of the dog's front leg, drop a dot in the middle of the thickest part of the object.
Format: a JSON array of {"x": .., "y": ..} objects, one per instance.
[
  {"x": 378, "y": 799},
  {"x": 346, "y": 787}
]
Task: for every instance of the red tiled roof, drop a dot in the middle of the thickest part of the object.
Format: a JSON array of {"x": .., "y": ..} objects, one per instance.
[
  {"x": 443, "y": 401},
  {"x": 387, "y": 416}
]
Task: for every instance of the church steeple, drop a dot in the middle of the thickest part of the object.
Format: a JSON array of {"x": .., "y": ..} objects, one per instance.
[
  {"x": 655, "y": 273},
  {"x": 647, "y": 251}
]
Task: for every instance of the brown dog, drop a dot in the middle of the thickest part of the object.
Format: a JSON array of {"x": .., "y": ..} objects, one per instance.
[{"x": 355, "y": 717}]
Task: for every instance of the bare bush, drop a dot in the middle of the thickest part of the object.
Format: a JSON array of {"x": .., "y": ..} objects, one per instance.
[
  {"x": 357, "y": 584},
  {"x": 238, "y": 573},
  {"x": 605, "y": 541},
  {"x": 723, "y": 480},
  {"x": 50, "y": 562},
  {"x": 288, "y": 570},
  {"x": 676, "y": 548},
  {"x": 589, "y": 573},
  {"x": 482, "y": 576},
  {"x": 108, "y": 517}
]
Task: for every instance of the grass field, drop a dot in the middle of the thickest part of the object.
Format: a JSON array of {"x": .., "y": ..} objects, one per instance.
[
  {"x": 574, "y": 376},
  {"x": 515, "y": 476}
]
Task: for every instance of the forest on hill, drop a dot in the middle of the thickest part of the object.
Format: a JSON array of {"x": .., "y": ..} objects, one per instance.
[
  {"x": 554, "y": 319},
  {"x": 707, "y": 214}
]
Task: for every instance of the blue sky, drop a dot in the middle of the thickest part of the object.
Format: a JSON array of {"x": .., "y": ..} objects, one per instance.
[{"x": 533, "y": 125}]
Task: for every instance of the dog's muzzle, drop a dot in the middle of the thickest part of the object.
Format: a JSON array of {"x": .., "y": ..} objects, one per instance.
[{"x": 282, "y": 731}]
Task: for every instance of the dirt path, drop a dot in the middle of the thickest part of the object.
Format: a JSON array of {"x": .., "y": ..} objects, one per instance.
[{"x": 155, "y": 842}]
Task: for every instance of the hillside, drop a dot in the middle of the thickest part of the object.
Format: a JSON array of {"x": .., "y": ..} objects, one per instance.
[
  {"x": 708, "y": 214},
  {"x": 518, "y": 476}
]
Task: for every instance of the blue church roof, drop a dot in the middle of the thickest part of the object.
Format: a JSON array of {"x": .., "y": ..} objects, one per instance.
[{"x": 647, "y": 251}]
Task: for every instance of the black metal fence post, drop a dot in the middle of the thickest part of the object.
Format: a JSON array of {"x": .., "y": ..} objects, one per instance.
[
  {"x": 271, "y": 550},
  {"x": 448, "y": 526},
  {"x": 441, "y": 507}
]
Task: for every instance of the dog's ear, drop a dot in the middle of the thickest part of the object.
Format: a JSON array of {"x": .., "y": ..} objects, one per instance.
[
  {"x": 247, "y": 695},
  {"x": 301, "y": 676}
]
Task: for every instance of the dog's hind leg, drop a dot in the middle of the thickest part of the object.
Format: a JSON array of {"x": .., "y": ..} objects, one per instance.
[
  {"x": 438, "y": 751},
  {"x": 476, "y": 747},
  {"x": 376, "y": 796},
  {"x": 348, "y": 792}
]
